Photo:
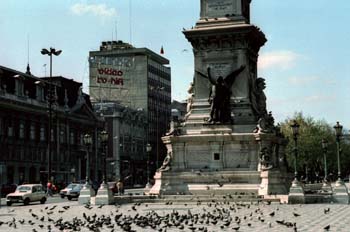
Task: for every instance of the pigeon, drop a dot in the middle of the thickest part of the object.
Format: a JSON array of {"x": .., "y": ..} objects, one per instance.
[
  {"x": 296, "y": 215},
  {"x": 53, "y": 207},
  {"x": 326, "y": 228},
  {"x": 327, "y": 210}
]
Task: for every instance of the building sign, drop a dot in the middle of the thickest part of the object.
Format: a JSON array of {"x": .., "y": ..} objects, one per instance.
[
  {"x": 110, "y": 71},
  {"x": 112, "y": 81}
]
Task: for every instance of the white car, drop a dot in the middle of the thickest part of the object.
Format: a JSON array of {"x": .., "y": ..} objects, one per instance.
[
  {"x": 66, "y": 191},
  {"x": 27, "y": 193}
]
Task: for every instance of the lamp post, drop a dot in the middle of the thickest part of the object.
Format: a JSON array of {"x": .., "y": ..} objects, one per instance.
[
  {"x": 295, "y": 131},
  {"x": 50, "y": 52},
  {"x": 148, "y": 149},
  {"x": 296, "y": 191},
  {"x": 87, "y": 192},
  {"x": 87, "y": 141},
  {"x": 104, "y": 141},
  {"x": 326, "y": 184},
  {"x": 324, "y": 147},
  {"x": 338, "y": 133},
  {"x": 158, "y": 90}
]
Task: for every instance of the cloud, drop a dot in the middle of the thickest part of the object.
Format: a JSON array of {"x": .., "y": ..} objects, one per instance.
[
  {"x": 96, "y": 9},
  {"x": 302, "y": 80},
  {"x": 278, "y": 59},
  {"x": 319, "y": 98}
]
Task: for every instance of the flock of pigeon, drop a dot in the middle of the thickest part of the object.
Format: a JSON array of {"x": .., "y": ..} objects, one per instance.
[{"x": 190, "y": 216}]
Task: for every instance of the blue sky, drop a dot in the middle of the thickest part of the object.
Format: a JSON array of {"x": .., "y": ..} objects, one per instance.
[{"x": 305, "y": 61}]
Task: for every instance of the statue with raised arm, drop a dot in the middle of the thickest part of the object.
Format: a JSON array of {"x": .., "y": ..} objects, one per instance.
[{"x": 220, "y": 94}]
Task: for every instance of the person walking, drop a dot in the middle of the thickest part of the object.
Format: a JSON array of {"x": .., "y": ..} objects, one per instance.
[
  {"x": 120, "y": 187},
  {"x": 49, "y": 188}
]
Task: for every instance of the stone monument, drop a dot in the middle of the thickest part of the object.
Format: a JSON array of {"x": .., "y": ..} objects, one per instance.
[{"x": 228, "y": 142}]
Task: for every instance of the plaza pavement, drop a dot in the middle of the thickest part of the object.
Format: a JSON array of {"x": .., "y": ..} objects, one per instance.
[{"x": 190, "y": 216}]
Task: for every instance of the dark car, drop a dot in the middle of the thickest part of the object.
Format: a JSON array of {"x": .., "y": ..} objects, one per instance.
[
  {"x": 75, "y": 192},
  {"x": 7, "y": 188}
]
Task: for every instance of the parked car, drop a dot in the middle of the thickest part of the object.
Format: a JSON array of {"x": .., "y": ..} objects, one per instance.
[
  {"x": 66, "y": 191},
  {"x": 75, "y": 192},
  {"x": 27, "y": 193},
  {"x": 7, "y": 188}
]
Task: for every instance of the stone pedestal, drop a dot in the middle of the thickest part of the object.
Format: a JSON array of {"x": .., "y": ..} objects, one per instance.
[
  {"x": 85, "y": 194},
  {"x": 326, "y": 187},
  {"x": 104, "y": 195},
  {"x": 273, "y": 183},
  {"x": 296, "y": 193},
  {"x": 340, "y": 193}
]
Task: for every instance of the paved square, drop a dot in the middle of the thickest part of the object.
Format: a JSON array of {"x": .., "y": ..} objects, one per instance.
[{"x": 192, "y": 216}]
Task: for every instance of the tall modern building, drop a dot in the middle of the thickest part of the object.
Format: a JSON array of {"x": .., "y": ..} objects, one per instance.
[{"x": 137, "y": 78}]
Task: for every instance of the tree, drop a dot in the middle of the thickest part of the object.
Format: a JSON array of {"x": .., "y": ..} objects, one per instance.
[{"x": 310, "y": 152}]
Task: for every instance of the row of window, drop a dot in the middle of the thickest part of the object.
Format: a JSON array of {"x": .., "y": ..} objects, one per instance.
[
  {"x": 35, "y": 132},
  {"x": 159, "y": 72}
]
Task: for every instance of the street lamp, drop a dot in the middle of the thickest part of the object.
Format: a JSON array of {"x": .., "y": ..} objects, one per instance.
[
  {"x": 87, "y": 141},
  {"x": 295, "y": 131},
  {"x": 50, "y": 52},
  {"x": 148, "y": 149},
  {"x": 104, "y": 141},
  {"x": 338, "y": 133},
  {"x": 324, "y": 147}
]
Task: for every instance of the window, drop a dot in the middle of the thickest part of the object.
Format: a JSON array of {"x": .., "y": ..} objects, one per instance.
[
  {"x": 71, "y": 138},
  {"x": 21, "y": 130},
  {"x": 32, "y": 132},
  {"x": 10, "y": 131},
  {"x": 1, "y": 130},
  {"x": 62, "y": 136},
  {"x": 42, "y": 134},
  {"x": 216, "y": 156}
]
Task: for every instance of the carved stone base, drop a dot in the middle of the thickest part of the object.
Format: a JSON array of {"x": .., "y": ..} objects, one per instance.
[
  {"x": 85, "y": 194},
  {"x": 206, "y": 182},
  {"x": 340, "y": 193},
  {"x": 273, "y": 182},
  {"x": 104, "y": 195},
  {"x": 296, "y": 193}
]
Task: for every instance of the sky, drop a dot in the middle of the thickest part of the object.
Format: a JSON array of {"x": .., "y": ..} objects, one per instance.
[{"x": 305, "y": 61}]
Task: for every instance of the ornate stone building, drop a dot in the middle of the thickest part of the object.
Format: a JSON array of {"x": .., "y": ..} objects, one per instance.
[{"x": 24, "y": 129}]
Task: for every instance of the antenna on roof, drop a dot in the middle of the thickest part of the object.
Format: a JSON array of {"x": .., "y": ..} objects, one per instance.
[
  {"x": 130, "y": 23},
  {"x": 116, "y": 30},
  {"x": 28, "y": 67}
]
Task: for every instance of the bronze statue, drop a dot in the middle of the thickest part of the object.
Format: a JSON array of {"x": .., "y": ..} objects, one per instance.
[{"x": 220, "y": 94}]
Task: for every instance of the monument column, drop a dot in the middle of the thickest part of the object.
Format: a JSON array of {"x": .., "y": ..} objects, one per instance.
[{"x": 224, "y": 40}]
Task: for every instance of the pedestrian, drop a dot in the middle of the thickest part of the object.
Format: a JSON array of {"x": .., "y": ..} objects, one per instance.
[
  {"x": 49, "y": 188},
  {"x": 120, "y": 187}
]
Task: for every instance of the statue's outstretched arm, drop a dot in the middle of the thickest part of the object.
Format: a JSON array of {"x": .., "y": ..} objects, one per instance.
[
  {"x": 229, "y": 79},
  {"x": 212, "y": 81},
  {"x": 202, "y": 74}
]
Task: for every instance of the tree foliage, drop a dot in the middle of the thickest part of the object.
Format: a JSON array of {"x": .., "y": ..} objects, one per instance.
[{"x": 310, "y": 152}]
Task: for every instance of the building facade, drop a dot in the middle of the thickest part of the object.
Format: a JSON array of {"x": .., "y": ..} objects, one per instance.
[
  {"x": 24, "y": 123},
  {"x": 136, "y": 78}
]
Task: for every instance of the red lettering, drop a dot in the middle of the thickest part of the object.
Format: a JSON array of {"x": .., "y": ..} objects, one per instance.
[{"x": 110, "y": 71}]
